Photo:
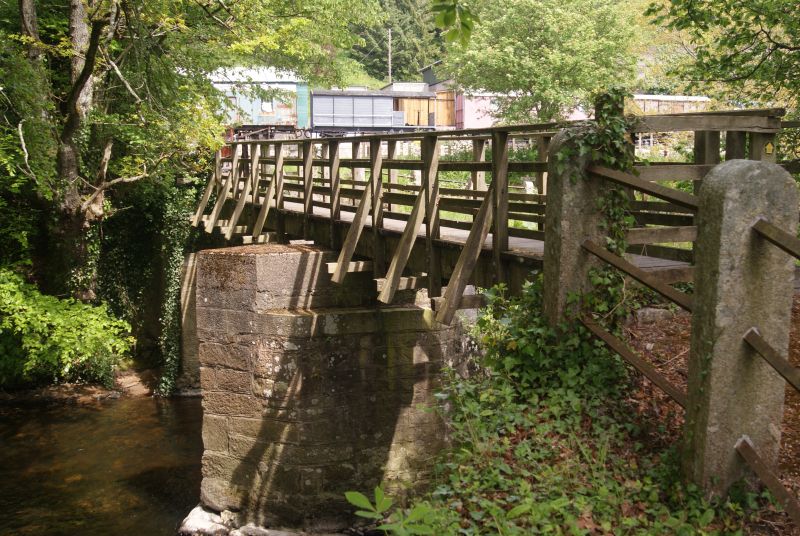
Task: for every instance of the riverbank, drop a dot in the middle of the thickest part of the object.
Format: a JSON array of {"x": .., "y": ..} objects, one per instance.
[{"x": 127, "y": 384}]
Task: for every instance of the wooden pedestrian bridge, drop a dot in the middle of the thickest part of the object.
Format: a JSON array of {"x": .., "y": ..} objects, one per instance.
[
  {"x": 421, "y": 209},
  {"x": 443, "y": 210}
]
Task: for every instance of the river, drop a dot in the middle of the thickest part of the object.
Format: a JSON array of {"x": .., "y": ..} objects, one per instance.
[{"x": 129, "y": 466}]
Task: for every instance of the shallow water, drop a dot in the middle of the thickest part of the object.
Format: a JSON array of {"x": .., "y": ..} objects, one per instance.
[{"x": 128, "y": 466}]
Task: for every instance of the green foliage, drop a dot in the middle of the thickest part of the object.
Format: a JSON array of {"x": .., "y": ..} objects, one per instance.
[
  {"x": 43, "y": 338},
  {"x": 175, "y": 235},
  {"x": 457, "y": 18},
  {"x": 519, "y": 343},
  {"x": 550, "y": 56},
  {"x": 415, "y": 41},
  {"x": 751, "y": 45}
]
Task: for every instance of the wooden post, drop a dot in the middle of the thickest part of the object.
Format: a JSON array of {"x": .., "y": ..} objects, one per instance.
[
  {"x": 357, "y": 173},
  {"x": 336, "y": 190},
  {"x": 500, "y": 179},
  {"x": 280, "y": 227},
  {"x": 376, "y": 183},
  {"x": 308, "y": 186},
  {"x": 706, "y": 150},
  {"x": 478, "y": 155},
  {"x": 226, "y": 188},
  {"x": 762, "y": 147},
  {"x": 245, "y": 191},
  {"x": 542, "y": 143},
  {"x": 255, "y": 171},
  {"x": 213, "y": 183},
  {"x": 391, "y": 151},
  {"x": 735, "y": 142},
  {"x": 430, "y": 189},
  {"x": 272, "y": 189}
]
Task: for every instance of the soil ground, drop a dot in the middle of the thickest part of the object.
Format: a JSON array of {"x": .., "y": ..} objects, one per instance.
[{"x": 665, "y": 344}]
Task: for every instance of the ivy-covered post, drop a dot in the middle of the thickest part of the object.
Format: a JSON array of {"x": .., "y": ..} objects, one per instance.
[
  {"x": 572, "y": 215},
  {"x": 741, "y": 282}
]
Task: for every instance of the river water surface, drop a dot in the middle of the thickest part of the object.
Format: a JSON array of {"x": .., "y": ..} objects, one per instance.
[{"x": 129, "y": 466}]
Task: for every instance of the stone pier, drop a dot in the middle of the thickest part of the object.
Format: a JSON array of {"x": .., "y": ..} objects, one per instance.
[{"x": 309, "y": 388}]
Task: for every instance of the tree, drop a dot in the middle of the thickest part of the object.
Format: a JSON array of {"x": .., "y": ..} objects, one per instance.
[
  {"x": 415, "y": 41},
  {"x": 751, "y": 46},
  {"x": 548, "y": 55},
  {"x": 97, "y": 94}
]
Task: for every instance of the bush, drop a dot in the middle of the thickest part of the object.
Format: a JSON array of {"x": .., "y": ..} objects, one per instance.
[{"x": 45, "y": 339}]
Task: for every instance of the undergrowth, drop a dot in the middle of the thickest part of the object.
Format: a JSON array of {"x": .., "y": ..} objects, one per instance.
[
  {"x": 47, "y": 339},
  {"x": 543, "y": 443}
]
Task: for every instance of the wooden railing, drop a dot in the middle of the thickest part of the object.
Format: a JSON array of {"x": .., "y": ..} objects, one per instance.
[{"x": 357, "y": 180}]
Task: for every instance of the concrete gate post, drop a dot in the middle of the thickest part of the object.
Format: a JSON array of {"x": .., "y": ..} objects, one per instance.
[
  {"x": 741, "y": 281},
  {"x": 571, "y": 216}
]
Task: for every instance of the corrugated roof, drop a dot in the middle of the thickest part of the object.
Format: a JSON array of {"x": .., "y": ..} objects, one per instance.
[{"x": 372, "y": 93}]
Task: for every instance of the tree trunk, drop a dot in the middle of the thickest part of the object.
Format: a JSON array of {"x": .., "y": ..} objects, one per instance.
[
  {"x": 29, "y": 27},
  {"x": 69, "y": 270}
]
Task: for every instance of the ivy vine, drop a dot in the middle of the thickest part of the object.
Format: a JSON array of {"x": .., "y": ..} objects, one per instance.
[{"x": 607, "y": 142}]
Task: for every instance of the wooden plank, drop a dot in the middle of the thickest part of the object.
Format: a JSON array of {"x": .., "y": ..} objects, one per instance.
[
  {"x": 640, "y": 364},
  {"x": 777, "y": 236},
  {"x": 679, "y": 123},
  {"x": 474, "y": 301},
  {"x": 785, "y": 498},
  {"x": 353, "y": 234},
  {"x": 226, "y": 188},
  {"x": 350, "y": 267},
  {"x": 654, "y": 218},
  {"x": 468, "y": 258},
  {"x": 430, "y": 185},
  {"x": 684, "y": 300},
  {"x": 500, "y": 180},
  {"x": 660, "y": 235},
  {"x": 781, "y": 365},
  {"x": 271, "y": 194},
  {"x": 405, "y": 283},
  {"x": 656, "y": 190},
  {"x": 672, "y": 172}
]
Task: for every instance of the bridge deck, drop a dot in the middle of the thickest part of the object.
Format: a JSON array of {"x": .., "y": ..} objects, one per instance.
[{"x": 523, "y": 247}]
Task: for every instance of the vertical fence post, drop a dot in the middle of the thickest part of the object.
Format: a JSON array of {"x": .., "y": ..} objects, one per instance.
[
  {"x": 571, "y": 216},
  {"x": 391, "y": 154},
  {"x": 336, "y": 191},
  {"x": 762, "y": 147},
  {"x": 478, "y": 155},
  {"x": 430, "y": 189},
  {"x": 741, "y": 281},
  {"x": 542, "y": 143},
  {"x": 500, "y": 180},
  {"x": 308, "y": 186},
  {"x": 376, "y": 183}
]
